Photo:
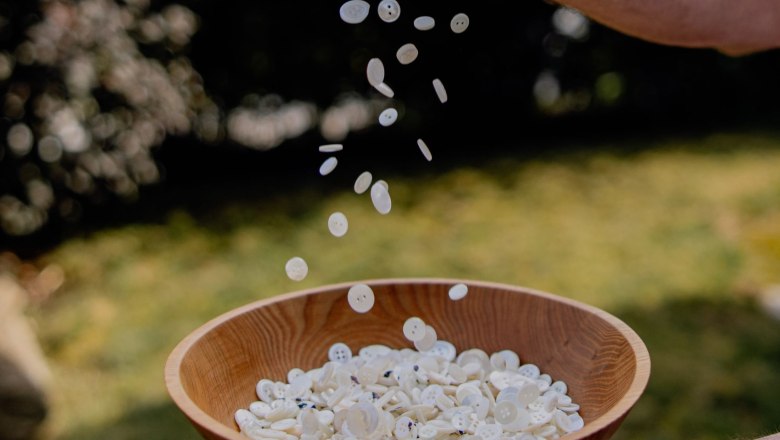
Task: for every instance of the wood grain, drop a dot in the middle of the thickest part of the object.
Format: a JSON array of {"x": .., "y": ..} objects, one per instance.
[{"x": 213, "y": 371}]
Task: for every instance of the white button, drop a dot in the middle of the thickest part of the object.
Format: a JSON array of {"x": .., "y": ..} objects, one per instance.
[
  {"x": 389, "y": 10},
  {"x": 527, "y": 394},
  {"x": 403, "y": 427},
  {"x": 530, "y": 371},
  {"x": 354, "y": 11},
  {"x": 375, "y": 72},
  {"x": 511, "y": 359},
  {"x": 489, "y": 432},
  {"x": 385, "y": 90},
  {"x": 407, "y": 53},
  {"x": 361, "y": 298},
  {"x": 459, "y": 23},
  {"x": 296, "y": 268},
  {"x": 265, "y": 390},
  {"x": 362, "y": 419},
  {"x": 293, "y": 374},
  {"x": 443, "y": 349},
  {"x": 298, "y": 387},
  {"x": 441, "y": 92},
  {"x": 284, "y": 424},
  {"x": 328, "y": 166},
  {"x": 331, "y": 148},
  {"x": 424, "y": 23},
  {"x": 427, "y": 342},
  {"x": 458, "y": 291},
  {"x": 363, "y": 182},
  {"x": 244, "y": 418},
  {"x": 429, "y": 394},
  {"x": 388, "y": 117},
  {"x": 260, "y": 409},
  {"x": 559, "y": 387},
  {"x": 460, "y": 421},
  {"x": 569, "y": 422},
  {"x": 481, "y": 406},
  {"x": 505, "y": 412},
  {"x": 340, "y": 352},
  {"x": 371, "y": 352},
  {"x": 380, "y": 197},
  {"x": 539, "y": 418},
  {"x": 338, "y": 224},
  {"x": 424, "y": 150},
  {"x": 414, "y": 329},
  {"x": 428, "y": 432},
  {"x": 310, "y": 424}
]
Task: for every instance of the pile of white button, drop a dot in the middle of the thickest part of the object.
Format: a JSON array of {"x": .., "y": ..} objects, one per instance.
[{"x": 384, "y": 393}]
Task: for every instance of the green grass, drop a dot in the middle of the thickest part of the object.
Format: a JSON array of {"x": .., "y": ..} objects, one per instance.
[{"x": 668, "y": 238}]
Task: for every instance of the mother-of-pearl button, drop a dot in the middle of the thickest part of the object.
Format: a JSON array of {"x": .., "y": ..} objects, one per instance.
[
  {"x": 458, "y": 291},
  {"x": 388, "y": 117},
  {"x": 427, "y": 342},
  {"x": 441, "y": 92},
  {"x": 375, "y": 72},
  {"x": 407, "y": 53},
  {"x": 338, "y": 224},
  {"x": 354, "y": 11},
  {"x": 361, "y": 298},
  {"x": 414, "y": 329},
  {"x": 328, "y": 166},
  {"x": 505, "y": 412},
  {"x": 459, "y": 23},
  {"x": 424, "y": 23},
  {"x": 389, "y": 10},
  {"x": 339, "y": 352},
  {"x": 296, "y": 268},
  {"x": 363, "y": 182},
  {"x": 380, "y": 197}
]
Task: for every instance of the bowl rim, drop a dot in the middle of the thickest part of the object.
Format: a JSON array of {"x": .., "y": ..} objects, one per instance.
[{"x": 205, "y": 421}]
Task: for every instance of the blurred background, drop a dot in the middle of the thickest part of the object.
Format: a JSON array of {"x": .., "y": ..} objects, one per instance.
[{"x": 159, "y": 165}]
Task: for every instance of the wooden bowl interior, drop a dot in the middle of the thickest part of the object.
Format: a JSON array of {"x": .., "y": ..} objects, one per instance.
[{"x": 218, "y": 366}]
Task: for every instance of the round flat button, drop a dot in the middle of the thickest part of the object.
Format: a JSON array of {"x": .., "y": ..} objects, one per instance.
[
  {"x": 338, "y": 224},
  {"x": 505, "y": 412},
  {"x": 363, "y": 182},
  {"x": 441, "y": 92},
  {"x": 403, "y": 427},
  {"x": 328, "y": 166},
  {"x": 559, "y": 387},
  {"x": 530, "y": 371},
  {"x": 427, "y": 432},
  {"x": 407, "y": 53},
  {"x": 361, "y": 298},
  {"x": 459, "y": 23},
  {"x": 415, "y": 329},
  {"x": 385, "y": 90},
  {"x": 489, "y": 432},
  {"x": 339, "y": 352},
  {"x": 375, "y": 72},
  {"x": 426, "y": 152},
  {"x": 380, "y": 197},
  {"x": 458, "y": 291},
  {"x": 443, "y": 349},
  {"x": 296, "y": 268},
  {"x": 388, "y": 117},
  {"x": 354, "y": 11},
  {"x": 424, "y": 23},
  {"x": 389, "y": 10},
  {"x": 427, "y": 342},
  {"x": 331, "y": 148}
]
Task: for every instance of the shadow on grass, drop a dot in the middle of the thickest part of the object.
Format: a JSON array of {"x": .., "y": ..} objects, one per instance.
[{"x": 716, "y": 372}]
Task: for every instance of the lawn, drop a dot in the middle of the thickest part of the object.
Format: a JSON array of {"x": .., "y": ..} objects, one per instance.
[{"x": 677, "y": 237}]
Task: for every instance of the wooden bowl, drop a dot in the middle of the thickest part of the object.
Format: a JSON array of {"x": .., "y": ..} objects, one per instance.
[{"x": 213, "y": 371}]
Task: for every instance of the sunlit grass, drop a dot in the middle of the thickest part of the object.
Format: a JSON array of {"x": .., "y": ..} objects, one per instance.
[{"x": 692, "y": 218}]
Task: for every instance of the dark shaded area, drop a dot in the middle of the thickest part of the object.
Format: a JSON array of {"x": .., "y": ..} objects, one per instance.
[
  {"x": 23, "y": 406},
  {"x": 305, "y": 52}
]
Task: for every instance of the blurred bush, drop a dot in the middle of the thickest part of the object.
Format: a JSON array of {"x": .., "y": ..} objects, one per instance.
[{"x": 90, "y": 88}]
